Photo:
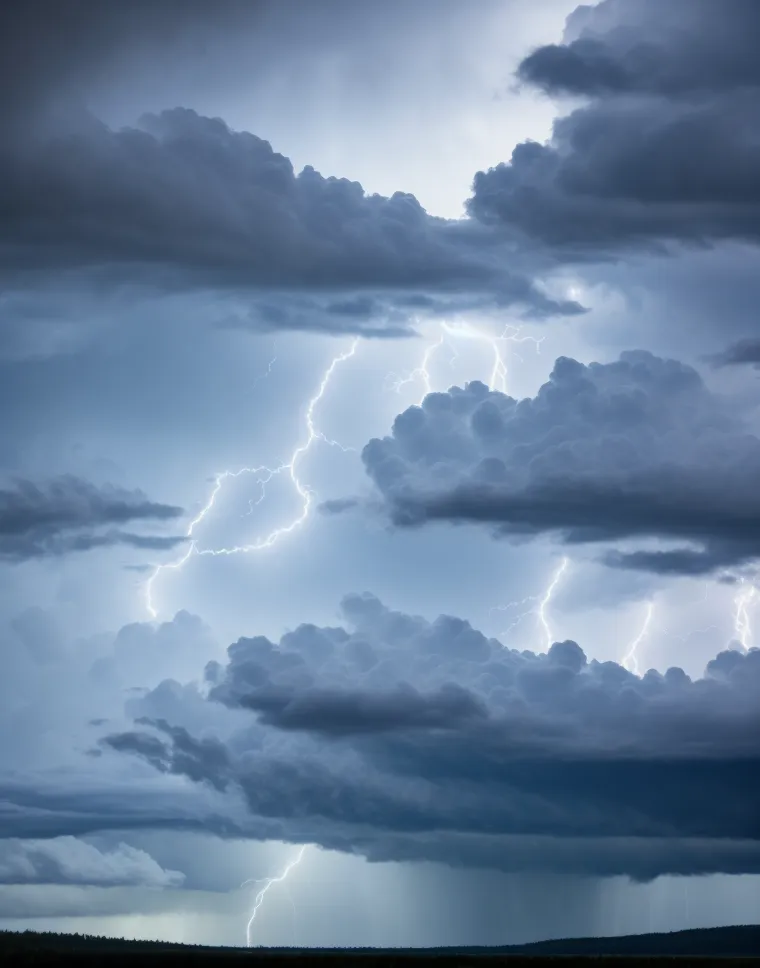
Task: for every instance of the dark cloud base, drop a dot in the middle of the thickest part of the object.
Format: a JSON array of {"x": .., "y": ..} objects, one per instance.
[{"x": 404, "y": 739}]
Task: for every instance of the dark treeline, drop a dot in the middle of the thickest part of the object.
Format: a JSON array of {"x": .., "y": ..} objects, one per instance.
[{"x": 718, "y": 944}]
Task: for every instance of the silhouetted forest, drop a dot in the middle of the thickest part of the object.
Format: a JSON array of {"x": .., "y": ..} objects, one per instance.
[{"x": 720, "y": 945}]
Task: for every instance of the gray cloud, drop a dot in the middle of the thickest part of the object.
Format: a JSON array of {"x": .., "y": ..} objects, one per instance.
[
  {"x": 183, "y": 201},
  {"x": 745, "y": 351},
  {"x": 180, "y": 201},
  {"x": 69, "y": 514},
  {"x": 68, "y": 860},
  {"x": 699, "y": 46},
  {"x": 634, "y": 449},
  {"x": 526, "y": 759},
  {"x": 339, "y": 505},
  {"x": 666, "y": 149},
  {"x": 182, "y": 755},
  {"x": 346, "y": 712}
]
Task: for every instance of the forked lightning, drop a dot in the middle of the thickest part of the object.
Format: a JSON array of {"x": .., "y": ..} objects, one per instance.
[
  {"x": 541, "y": 610},
  {"x": 263, "y": 475},
  {"x": 268, "y": 883}
]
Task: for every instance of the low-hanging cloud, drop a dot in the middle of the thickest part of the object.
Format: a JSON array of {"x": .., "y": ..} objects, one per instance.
[
  {"x": 69, "y": 860},
  {"x": 69, "y": 514},
  {"x": 440, "y": 744},
  {"x": 635, "y": 449}
]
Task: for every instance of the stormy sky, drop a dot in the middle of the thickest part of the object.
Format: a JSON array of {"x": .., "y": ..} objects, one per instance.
[{"x": 379, "y": 468}]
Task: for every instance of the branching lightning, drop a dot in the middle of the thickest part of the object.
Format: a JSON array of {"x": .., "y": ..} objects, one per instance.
[
  {"x": 268, "y": 883},
  {"x": 263, "y": 475},
  {"x": 540, "y": 611},
  {"x": 544, "y": 603},
  {"x": 420, "y": 372},
  {"x": 498, "y": 377},
  {"x": 631, "y": 658}
]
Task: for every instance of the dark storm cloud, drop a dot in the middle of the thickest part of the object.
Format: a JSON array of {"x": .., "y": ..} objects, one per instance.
[
  {"x": 639, "y": 448},
  {"x": 182, "y": 755},
  {"x": 183, "y": 201},
  {"x": 544, "y": 762},
  {"x": 698, "y": 47},
  {"x": 667, "y": 147},
  {"x": 346, "y": 713},
  {"x": 745, "y": 351},
  {"x": 69, "y": 514}
]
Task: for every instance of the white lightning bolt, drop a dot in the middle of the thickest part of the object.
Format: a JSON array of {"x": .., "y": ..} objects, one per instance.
[
  {"x": 540, "y": 612},
  {"x": 498, "y": 377},
  {"x": 544, "y": 603},
  {"x": 743, "y": 602},
  {"x": 268, "y": 883},
  {"x": 631, "y": 658},
  {"x": 511, "y": 334},
  {"x": 263, "y": 476},
  {"x": 420, "y": 372}
]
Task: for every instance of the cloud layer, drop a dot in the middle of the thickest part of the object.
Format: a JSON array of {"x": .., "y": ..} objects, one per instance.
[
  {"x": 639, "y": 448},
  {"x": 400, "y": 738}
]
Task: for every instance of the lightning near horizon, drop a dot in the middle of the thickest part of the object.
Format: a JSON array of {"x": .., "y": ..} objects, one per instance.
[
  {"x": 263, "y": 475},
  {"x": 268, "y": 883}
]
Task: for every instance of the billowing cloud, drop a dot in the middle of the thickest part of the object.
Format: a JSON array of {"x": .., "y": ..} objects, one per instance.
[
  {"x": 639, "y": 448},
  {"x": 184, "y": 202},
  {"x": 69, "y": 514},
  {"x": 180, "y": 202},
  {"x": 401, "y": 738},
  {"x": 68, "y": 860},
  {"x": 666, "y": 149},
  {"x": 613, "y": 48}
]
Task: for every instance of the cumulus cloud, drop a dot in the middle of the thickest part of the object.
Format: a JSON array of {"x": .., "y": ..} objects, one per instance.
[
  {"x": 666, "y": 149},
  {"x": 401, "y": 738},
  {"x": 639, "y": 448},
  {"x": 68, "y": 860},
  {"x": 69, "y": 514}
]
